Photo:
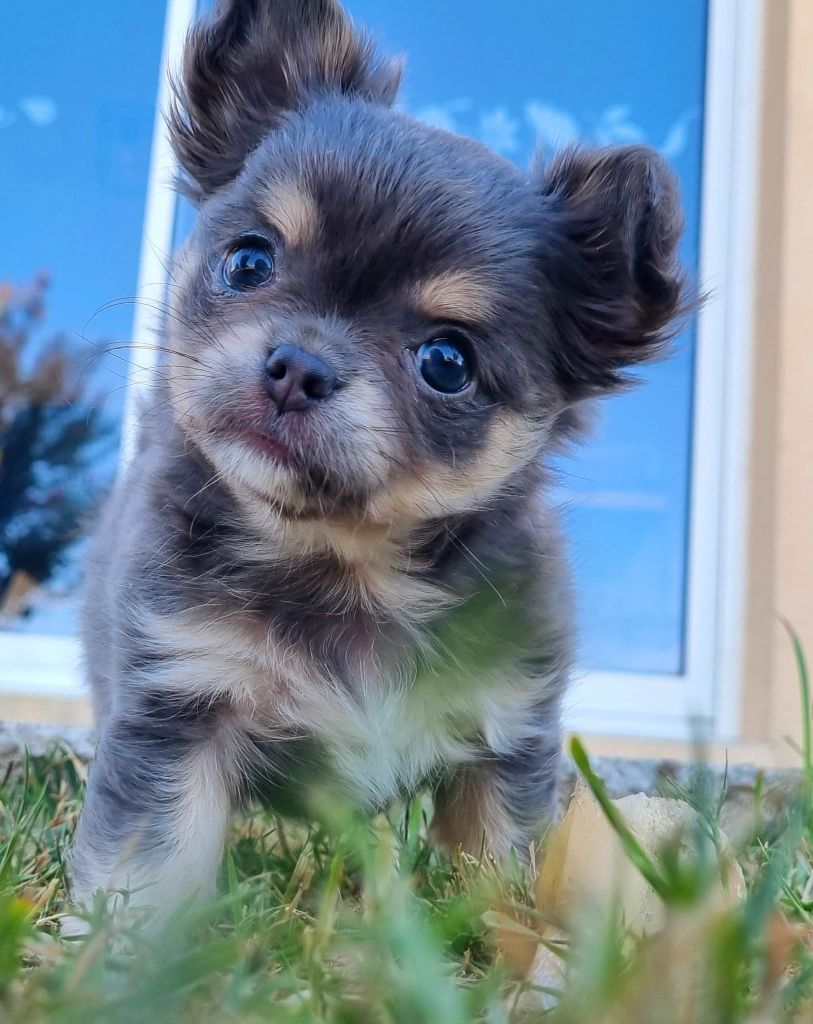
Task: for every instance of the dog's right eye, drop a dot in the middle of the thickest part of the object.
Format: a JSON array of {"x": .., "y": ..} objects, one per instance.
[{"x": 248, "y": 266}]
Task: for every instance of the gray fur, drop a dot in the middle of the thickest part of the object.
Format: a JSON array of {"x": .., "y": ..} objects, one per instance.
[{"x": 389, "y": 606}]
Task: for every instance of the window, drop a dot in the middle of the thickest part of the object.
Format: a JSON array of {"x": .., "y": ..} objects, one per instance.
[
  {"x": 653, "y": 535},
  {"x": 77, "y": 110}
]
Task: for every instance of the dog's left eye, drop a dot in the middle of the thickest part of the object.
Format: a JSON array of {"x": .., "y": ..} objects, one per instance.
[
  {"x": 248, "y": 266},
  {"x": 444, "y": 364}
]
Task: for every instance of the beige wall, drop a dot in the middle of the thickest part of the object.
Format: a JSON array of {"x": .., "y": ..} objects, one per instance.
[
  {"x": 61, "y": 710},
  {"x": 786, "y": 335}
]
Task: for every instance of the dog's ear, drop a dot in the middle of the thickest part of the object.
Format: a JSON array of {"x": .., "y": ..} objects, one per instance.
[
  {"x": 617, "y": 292},
  {"x": 249, "y": 63}
]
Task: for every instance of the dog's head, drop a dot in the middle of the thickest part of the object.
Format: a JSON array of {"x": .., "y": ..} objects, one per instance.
[{"x": 378, "y": 319}]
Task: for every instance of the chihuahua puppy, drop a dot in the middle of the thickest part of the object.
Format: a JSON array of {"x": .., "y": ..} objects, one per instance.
[{"x": 330, "y": 567}]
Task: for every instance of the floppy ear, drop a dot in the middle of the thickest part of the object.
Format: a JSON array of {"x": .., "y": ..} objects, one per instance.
[
  {"x": 613, "y": 224},
  {"x": 251, "y": 61}
]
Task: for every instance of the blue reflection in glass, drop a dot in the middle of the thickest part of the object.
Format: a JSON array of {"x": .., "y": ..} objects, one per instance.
[{"x": 77, "y": 107}]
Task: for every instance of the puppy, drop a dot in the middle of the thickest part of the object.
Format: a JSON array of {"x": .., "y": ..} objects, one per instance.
[{"x": 330, "y": 568}]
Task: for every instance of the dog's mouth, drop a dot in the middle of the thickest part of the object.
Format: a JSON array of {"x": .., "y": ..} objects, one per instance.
[
  {"x": 280, "y": 463},
  {"x": 272, "y": 442},
  {"x": 312, "y": 480},
  {"x": 266, "y": 445}
]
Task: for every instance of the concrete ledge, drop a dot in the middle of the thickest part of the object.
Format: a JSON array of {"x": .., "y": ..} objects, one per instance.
[
  {"x": 622, "y": 776},
  {"x": 656, "y": 777},
  {"x": 37, "y": 739}
]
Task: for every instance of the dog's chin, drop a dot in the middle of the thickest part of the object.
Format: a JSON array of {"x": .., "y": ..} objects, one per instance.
[
  {"x": 262, "y": 470},
  {"x": 246, "y": 467}
]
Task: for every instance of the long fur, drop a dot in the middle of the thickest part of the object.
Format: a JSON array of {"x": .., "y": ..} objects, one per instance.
[{"x": 369, "y": 593}]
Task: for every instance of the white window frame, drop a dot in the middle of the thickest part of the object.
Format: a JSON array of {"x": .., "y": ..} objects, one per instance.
[{"x": 704, "y": 700}]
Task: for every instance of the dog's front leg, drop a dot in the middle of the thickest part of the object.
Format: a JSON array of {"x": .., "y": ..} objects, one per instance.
[
  {"x": 156, "y": 811},
  {"x": 500, "y": 802}
]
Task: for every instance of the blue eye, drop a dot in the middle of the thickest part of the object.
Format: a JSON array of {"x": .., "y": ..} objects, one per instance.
[
  {"x": 444, "y": 365},
  {"x": 249, "y": 266}
]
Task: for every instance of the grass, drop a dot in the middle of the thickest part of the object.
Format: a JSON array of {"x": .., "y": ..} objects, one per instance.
[{"x": 367, "y": 923}]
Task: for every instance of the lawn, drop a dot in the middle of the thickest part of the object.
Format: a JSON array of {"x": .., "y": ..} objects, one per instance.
[{"x": 365, "y": 922}]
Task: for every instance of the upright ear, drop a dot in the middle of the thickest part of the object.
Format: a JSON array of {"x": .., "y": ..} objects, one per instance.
[
  {"x": 613, "y": 224},
  {"x": 248, "y": 63}
]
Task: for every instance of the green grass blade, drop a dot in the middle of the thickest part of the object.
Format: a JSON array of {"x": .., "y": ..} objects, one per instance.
[
  {"x": 804, "y": 688},
  {"x": 633, "y": 849}
]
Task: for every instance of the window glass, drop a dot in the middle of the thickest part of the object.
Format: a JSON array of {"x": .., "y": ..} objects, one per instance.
[
  {"x": 77, "y": 106},
  {"x": 540, "y": 71}
]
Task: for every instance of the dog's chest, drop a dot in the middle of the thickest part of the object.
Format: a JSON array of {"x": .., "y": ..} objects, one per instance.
[
  {"x": 391, "y": 732},
  {"x": 385, "y": 717},
  {"x": 385, "y": 732},
  {"x": 389, "y": 739}
]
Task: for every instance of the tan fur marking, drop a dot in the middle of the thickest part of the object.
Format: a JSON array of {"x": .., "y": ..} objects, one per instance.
[
  {"x": 438, "y": 490},
  {"x": 293, "y": 211},
  {"x": 338, "y": 45},
  {"x": 470, "y": 815},
  {"x": 456, "y": 295},
  {"x": 374, "y": 557}
]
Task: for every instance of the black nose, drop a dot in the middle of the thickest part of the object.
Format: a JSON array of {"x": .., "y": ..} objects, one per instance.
[{"x": 296, "y": 379}]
